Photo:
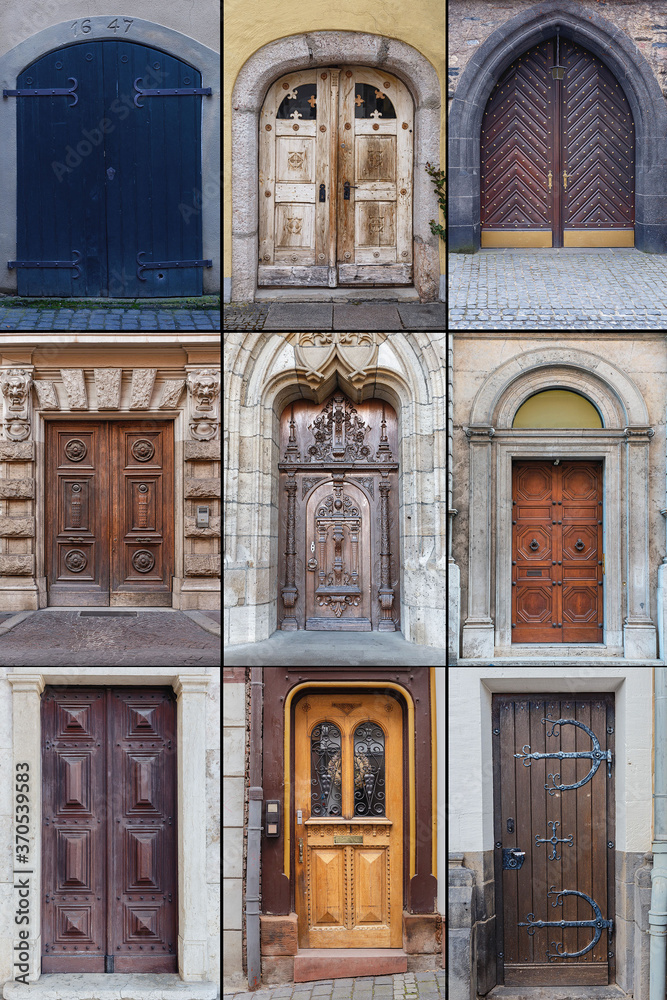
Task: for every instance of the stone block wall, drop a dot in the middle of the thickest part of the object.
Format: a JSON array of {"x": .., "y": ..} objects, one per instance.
[
  {"x": 7, "y": 926},
  {"x": 17, "y": 526},
  {"x": 234, "y": 758},
  {"x": 470, "y": 22}
]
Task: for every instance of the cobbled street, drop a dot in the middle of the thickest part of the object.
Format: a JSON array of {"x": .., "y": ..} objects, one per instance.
[
  {"x": 416, "y": 985},
  {"x": 34, "y": 320},
  {"x": 562, "y": 289},
  {"x": 94, "y": 638}
]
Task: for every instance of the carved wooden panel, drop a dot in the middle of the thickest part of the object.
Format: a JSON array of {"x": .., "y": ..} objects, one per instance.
[
  {"x": 109, "y": 872},
  {"x": 339, "y": 528},
  {"x": 348, "y": 867}
]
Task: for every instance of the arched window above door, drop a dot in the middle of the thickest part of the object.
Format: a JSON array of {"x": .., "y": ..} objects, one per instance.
[{"x": 557, "y": 408}]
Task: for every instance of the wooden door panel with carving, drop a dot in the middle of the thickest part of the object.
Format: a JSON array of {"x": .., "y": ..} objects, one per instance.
[
  {"x": 348, "y": 845},
  {"x": 339, "y": 516}
]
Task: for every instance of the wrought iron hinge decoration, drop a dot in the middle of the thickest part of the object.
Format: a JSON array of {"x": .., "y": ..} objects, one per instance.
[
  {"x": 554, "y": 840},
  {"x": 155, "y": 264},
  {"x": 596, "y": 755},
  {"x": 49, "y": 263},
  {"x": 598, "y": 924},
  {"x": 168, "y": 92},
  {"x": 47, "y": 92}
]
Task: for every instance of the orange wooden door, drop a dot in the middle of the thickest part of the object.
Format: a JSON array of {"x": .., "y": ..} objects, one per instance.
[
  {"x": 349, "y": 821},
  {"x": 557, "y": 567}
]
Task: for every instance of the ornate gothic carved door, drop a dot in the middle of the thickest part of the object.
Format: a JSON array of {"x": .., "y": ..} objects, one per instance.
[
  {"x": 557, "y": 561},
  {"x": 109, "y": 837},
  {"x": 349, "y": 821},
  {"x": 109, "y": 506},
  {"x": 338, "y": 516},
  {"x": 335, "y": 179},
  {"x": 557, "y": 155}
]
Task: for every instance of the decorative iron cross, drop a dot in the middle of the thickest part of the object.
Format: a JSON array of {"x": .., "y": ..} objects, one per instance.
[
  {"x": 599, "y": 924},
  {"x": 554, "y": 840},
  {"x": 596, "y": 755}
]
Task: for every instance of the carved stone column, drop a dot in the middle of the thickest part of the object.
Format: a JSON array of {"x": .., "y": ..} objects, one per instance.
[
  {"x": 386, "y": 592},
  {"x": 289, "y": 591},
  {"x": 478, "y": 629},
  {"x": 639, "y": 633}
]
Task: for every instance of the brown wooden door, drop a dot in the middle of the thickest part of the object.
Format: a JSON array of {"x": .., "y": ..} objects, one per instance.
[
  {"x": 349, "y": 821},
  {"x": 557, "y": 155},
  {"x": 557, "y": 561},
  {"x": 564, "y": 837},
  {"x": 338, "y": 523},
  {"x": 109, "y": 513},
  {"x": 109, "y": 830}
]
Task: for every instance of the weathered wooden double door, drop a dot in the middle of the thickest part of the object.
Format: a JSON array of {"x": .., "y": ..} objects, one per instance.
[
  {"x": 109, "y": 830},
  {"x": 557, "y": 559},
  {"x": 109, "y": 513},
  {"x": 335, "y": 179},
  {"x": 349, "y": 821},
  {"x": 338, "y": 524},
  {"x": 557, "y": 156},
  {"x": 554, "y": 839}
]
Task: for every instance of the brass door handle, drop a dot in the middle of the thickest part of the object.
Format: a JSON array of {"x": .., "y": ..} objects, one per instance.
[
  {"x": 550, "y": 175},
  {"x": 565, "y": 180},
  {"x": 300, "y": 850}
]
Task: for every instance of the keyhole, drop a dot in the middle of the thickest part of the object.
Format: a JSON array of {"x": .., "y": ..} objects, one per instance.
[
  {"x": 160, "y": 274},
  {"x": 312, "y": 546}
]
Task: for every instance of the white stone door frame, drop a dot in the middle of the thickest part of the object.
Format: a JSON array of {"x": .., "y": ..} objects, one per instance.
[
  {"x": 623, "y": 445},
  {"x": 325, "y": 48},
  {"x": 190, "y": 689}
]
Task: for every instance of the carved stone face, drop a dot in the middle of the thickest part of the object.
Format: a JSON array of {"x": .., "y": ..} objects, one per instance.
[
  {"x": 205, "y": 388},
  {"x": 16, "y": 390}
]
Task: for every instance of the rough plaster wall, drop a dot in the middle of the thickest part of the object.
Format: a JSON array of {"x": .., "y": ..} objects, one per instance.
[
  {"x": 643, "y": 357},
  {"x": 470, "y": 753},
  {"x": 213, "y": 822},
  {"x": 6, "y": 829},
  {"x": 250, "y": 24},
  {"x": 19, "y": 19},
  {"x": 470, "y": 22}
]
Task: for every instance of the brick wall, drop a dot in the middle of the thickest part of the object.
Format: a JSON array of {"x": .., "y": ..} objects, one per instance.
[{"x": 472, "y": 21}]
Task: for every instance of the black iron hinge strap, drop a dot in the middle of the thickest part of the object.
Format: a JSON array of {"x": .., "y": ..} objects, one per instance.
[
  {"x": 49, "y": 263},
  {"x": 155, "y": 264},
  {"x": 47, "y": 92},
  {"x": 598, "y": 924},
  {"x": 595, "y": 754},
  {"x": 168, "y": 92}
]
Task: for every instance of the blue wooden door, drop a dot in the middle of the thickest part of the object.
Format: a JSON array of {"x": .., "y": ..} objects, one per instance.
[{"x": 109, "y": 180}]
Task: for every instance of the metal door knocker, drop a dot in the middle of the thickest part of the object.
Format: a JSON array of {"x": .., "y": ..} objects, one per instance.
[
  {"x": 579, "y": 545},
  {"x": 534, "y": 544}
]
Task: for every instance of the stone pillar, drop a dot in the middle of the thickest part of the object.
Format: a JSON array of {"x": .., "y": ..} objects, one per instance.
[
  {"x": 192, "y": 889},
  {"x": 386, "y": 592},
  {"x": 27, "y": 745},
  {"x": 460, "y": 967},
  {"x": 289, "y": 591},
  {"x": 478, "y": 629},
  {"x": 639, "y": 630}
]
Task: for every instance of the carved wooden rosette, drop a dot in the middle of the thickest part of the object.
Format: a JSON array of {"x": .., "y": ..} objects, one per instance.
[
  {"x": 386, "y": 592},
  {"x": 289, "y": 591}
]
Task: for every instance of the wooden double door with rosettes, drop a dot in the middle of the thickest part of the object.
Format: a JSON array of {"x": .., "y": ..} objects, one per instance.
[{"x": 109, "y": 513}]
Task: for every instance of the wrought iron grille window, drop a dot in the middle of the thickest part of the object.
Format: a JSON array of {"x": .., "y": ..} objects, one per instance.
[
  {"x": 303, "y": 100},
  {"x": 325, "y": 770},
  {"x": 372, "y": 103},
  {"x": 369, "y": 797}
]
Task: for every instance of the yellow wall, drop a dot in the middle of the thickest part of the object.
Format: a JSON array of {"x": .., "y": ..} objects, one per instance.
[{"x": 250, "y": 24}]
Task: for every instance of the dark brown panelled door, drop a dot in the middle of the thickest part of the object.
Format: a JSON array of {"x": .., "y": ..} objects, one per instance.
[
  {"x": 554, "y": 839},
  {"x": 557, "y": 155},
  {"x": 557, "y": 562},
  {"x": 109, "y": 513},
  {"x": 109, "y": 830}
]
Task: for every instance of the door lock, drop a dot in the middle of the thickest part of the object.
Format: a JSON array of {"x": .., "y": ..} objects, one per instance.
[
  {"x": 111, "y": 173},
  {"x": 323, "y": 193},
  {"x": 512, "y": 858},
  {"x": 300, "y": 850},
  {"x": 346, "y": 190}
]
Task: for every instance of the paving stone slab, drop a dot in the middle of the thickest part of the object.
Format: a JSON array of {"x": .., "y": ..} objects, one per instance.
[
  {"x": 423, "y": 315},
  {"x": 299, "y": 316},
  {"x": 349, "y": 649},
  {"x": 366, "y": 316}
]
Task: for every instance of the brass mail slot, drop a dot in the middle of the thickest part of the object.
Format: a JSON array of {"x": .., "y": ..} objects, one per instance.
[{"x": 349, "y": 840}]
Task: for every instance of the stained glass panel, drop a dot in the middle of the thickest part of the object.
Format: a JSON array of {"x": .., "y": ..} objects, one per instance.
[
  {"x": 369, "y": 102},
  {"x": 369, "y": 797},
  {"x": 325, "y": 770},
  {"x": 299, "y": 103}
]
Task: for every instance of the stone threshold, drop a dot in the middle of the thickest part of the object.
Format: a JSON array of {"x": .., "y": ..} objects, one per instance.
[
  {"x": 344, "y": 963},
  {"x": 387, "y": 295},
  {"x": 559, "y": 661},
  {"x": 612, "y": 992},
  {"x": 109, "y": 986}
]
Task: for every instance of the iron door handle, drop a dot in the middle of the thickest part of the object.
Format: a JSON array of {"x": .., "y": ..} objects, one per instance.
[
  {"x": 111, "y": 173},
  {"x": 512, "y": 858},
  {"x": 300, "y": 850},
  {"x": 346, "y": 190}
]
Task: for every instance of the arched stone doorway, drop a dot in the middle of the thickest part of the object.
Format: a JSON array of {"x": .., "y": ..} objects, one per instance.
[
  {"x": 325, "y": 49},
  {"x": 618, "y": 53},
  {"x": 621, "y": 445}
]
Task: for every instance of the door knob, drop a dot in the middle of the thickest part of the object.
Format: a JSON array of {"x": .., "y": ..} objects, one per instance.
[{"x": 111, "y": 173}]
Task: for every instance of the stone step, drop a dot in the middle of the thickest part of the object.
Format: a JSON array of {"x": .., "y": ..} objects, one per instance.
[
  {"x": 109, "y": 986},
  {"x": 345, "y": 963},
  {"x": 557, "y": 993}
]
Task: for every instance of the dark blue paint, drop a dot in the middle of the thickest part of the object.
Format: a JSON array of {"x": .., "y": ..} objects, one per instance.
[{"x": 66, "y": 199}]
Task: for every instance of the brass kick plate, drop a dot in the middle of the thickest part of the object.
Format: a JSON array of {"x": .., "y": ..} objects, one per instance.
[{"x": 349, "y": 840}]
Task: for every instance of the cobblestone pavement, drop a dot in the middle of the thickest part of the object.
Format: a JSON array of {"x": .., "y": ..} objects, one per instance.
[
  {"x": 417, "y": 985},
  {"x": 22, "y": 318},
  {"x": 564, "y": 289},
  {"x": 147, "y": 638},
  {"x": 378, "y": 314}
]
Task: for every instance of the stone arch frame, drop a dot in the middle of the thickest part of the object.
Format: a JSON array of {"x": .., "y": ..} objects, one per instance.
[
  {"x": 264, "y": 378},
  {"x": 623, "y": 447},
  {"x": 618, "y": 52},
  {"x": 143, "y": 32},
  {"x": 321, "y": 48}
]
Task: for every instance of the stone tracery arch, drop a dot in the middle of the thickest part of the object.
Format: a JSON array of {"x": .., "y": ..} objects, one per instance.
[
  {"x": 613, "y": 47},
  {"x": 321, "y": 48}
]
